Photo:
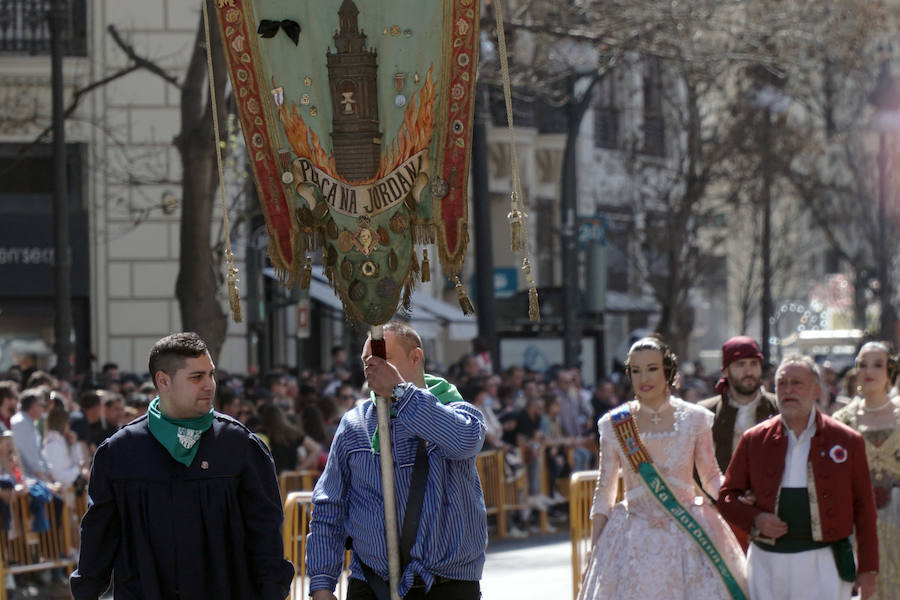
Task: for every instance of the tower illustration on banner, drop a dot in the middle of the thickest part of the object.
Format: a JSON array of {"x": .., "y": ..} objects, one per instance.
[{"x": 352, "y": 76}]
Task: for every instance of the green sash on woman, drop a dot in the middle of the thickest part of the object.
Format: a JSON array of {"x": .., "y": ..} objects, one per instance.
[{"x": 630, "y": 440}]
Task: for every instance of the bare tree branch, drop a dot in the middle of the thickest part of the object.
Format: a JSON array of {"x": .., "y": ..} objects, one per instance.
[
  {"x": 139, "y": 60},
  {"x": 139, "y": 63}
]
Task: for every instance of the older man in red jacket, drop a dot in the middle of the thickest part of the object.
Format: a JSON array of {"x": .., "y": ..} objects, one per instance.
[{"x": 810, "y": 489}]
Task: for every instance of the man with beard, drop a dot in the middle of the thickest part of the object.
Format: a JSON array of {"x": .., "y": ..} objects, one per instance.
[{"x": 741, "y": 402}]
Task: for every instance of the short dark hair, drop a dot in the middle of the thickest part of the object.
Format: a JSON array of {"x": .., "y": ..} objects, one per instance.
[
  {"x": 109, "y": 399},
  {"x": 273, "y": 377},
  {"x": 39, "y": 378},
  {"x": 109, "y": 367},
  {"x": 8, "y": 389},
  {"x": 89, "y": 399},
  {"x": 169, "y": 353},
  {"x": 29, "y": 397}
]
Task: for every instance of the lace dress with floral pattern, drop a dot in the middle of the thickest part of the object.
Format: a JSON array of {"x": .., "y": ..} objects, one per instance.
[
  {"x": 642, "y": 552},
  {"x": 883, "y": 454}
]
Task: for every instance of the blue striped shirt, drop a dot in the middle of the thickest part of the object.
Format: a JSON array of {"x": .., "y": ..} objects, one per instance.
[{"x": 347, "y": 500}]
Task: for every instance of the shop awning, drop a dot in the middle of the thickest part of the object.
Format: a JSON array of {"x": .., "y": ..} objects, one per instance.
[{"x": 428, "y": 313}]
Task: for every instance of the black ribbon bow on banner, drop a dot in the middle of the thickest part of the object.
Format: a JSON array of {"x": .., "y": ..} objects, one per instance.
[{"x": 268, "y": 29}]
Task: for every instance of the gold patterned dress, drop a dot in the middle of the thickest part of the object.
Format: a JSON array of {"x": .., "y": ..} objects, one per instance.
[
  {"x": 642, "y": 553},
  {"x": 883, "y": 453}
]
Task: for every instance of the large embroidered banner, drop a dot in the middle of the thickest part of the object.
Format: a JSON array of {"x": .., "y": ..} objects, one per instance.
[{"x": 357, "y": 116}]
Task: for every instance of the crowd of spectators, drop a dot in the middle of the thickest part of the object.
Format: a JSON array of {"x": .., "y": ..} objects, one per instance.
[{"x": 49, "y": 431}]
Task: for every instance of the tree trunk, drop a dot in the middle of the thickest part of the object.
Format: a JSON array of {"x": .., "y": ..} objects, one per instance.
[{"x": 199, "y": 269}]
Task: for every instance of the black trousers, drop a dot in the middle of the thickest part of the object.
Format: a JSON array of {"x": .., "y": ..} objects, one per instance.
[{"x": 443, "y": 589}]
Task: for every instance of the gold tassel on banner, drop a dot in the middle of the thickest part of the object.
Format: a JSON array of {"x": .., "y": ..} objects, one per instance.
[
  {"x": 534, "y": 310},
  {"x": 464, "y": 302},
  {"x": 306, "y": 276},
  {"x": 426, "y": 267},
  {"x": 516, "y": 224},
  {"x": 517, "y": 216},
  {"x": 234, "y": 295}
]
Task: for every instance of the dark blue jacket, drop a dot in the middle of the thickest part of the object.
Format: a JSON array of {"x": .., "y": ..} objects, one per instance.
[{"x": 204, "y": 532}]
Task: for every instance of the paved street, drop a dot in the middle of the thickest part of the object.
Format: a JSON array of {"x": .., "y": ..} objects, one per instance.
[{"x": 532, "y": 569}]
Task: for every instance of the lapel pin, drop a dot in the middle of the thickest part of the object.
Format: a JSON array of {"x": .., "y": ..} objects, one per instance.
[{"x": 204, "y": 465}]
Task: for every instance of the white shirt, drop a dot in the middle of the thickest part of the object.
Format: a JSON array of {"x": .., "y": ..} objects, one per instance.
[
  {"x": 63, "y": 461},
  {"x": 746, "y": 417},
  {"x": 798, "y": 453}
]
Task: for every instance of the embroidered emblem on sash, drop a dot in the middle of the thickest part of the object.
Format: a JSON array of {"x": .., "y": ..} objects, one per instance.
[{"x": 188, "y": 437}]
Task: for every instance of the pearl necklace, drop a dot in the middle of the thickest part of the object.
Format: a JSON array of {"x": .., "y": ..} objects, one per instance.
[
  {"x": 655, "y": 417},
  {"x": 866, "y": 409}
]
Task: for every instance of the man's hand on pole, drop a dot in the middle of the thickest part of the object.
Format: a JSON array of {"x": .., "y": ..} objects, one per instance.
[{"x": 382, "y": 376}]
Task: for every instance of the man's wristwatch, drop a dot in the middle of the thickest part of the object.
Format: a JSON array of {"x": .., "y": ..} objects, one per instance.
[{"x": 399, "y": 390}]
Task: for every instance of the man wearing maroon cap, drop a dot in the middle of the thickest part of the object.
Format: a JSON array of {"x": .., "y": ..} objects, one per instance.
[{"x": 741, "y": 402}]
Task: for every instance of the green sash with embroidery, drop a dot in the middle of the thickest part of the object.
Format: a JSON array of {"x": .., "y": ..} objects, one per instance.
[{"x": 630, "y": 440}]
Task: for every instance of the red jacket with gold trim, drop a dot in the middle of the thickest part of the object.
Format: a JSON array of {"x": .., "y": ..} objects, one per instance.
[{"x": 840, "y": 491}]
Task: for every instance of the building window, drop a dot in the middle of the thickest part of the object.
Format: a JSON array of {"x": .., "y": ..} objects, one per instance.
[
  {"x": 24, "y": 29},
  {"x": 606, "y": 115},
  {"x": 654, "y": 125}
]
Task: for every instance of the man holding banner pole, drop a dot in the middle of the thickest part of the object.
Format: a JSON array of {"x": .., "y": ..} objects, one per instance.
[{"x": 436, "y": 436}]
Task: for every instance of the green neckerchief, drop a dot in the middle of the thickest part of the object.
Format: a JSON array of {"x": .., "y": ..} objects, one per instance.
[
  {"x": 178, "y": 436},
  {"x": 440, "y": 388}
]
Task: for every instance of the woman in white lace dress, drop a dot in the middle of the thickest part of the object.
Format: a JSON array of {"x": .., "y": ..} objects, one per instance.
[{"x": 639, "y": 550}]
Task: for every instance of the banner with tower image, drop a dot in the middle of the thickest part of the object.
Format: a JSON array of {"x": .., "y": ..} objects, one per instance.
[{"x": 358, "y": 116}]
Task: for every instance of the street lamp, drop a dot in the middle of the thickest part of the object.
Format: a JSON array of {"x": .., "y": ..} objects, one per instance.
[
  {"x": 886, "y": 100},
  {"x": 62, "y": 326},
  {"x": 772, "y": 100}
]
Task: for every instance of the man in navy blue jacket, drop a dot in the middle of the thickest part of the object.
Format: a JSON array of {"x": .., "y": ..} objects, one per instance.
[{"x": 183, "y": 502}]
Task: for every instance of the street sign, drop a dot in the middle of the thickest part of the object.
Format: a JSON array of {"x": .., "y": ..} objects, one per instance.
[
  {"x": 506, "y": 281},
  {"x": 592, "y": 229}
]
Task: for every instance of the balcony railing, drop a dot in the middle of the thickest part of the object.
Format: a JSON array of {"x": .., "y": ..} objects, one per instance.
[{"x": 24, "y": 29}]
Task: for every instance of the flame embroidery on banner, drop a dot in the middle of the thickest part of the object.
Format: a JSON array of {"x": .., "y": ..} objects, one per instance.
[{"x": 414, "y": 135}]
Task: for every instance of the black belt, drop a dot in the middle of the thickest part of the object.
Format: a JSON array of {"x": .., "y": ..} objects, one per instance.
[{"x": 418, "y": 582}]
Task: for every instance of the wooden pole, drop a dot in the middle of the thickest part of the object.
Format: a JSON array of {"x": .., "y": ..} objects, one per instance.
[{"x": 383, "y": 406}]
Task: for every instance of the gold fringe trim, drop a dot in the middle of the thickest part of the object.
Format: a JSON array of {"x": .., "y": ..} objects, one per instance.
[
  {"x": 426, "y": 266},
  {"x": 287, "y": 277},
  {"x": 306, "y": 276},
  {"x": 465, "y": 303}
]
